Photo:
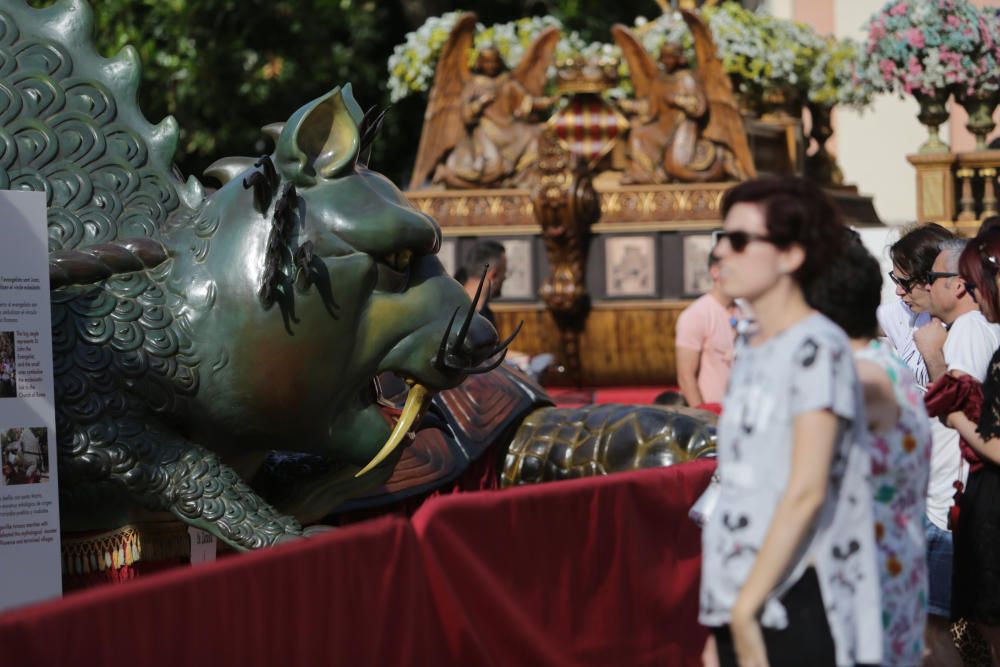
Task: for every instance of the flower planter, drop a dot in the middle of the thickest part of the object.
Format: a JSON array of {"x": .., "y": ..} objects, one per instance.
[
  {"x": 933, "y": 112},
  {"x": 980, "y": 107}
]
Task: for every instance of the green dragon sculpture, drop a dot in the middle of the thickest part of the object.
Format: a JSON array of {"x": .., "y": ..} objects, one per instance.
[
  {"x": 188, "y": 328},
  {"x": 194, "y": 333}
]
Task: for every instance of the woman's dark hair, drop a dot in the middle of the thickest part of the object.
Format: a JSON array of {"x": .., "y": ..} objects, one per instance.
[
  {"x": 917, "y": 249},
  {"x": 796, "y": 211},
  {"x": 989, "y": 223},
  {"x": 976, "y": 269},
  {"x": 849, "y": 290}
]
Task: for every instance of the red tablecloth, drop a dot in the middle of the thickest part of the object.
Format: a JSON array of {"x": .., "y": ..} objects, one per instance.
[{"x": 602, "y": 571}]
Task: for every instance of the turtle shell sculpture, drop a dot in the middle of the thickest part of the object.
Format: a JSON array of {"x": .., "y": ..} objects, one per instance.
[{"x": 196, "y": 334}]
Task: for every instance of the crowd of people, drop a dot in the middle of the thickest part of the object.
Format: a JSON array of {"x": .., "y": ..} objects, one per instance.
[
  {"x": 8, "y": 374},
  {"x": 837, "y": 536}
]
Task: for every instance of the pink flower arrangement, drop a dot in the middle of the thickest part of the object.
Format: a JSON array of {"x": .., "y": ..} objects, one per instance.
[{"x": 929, "y": 46}]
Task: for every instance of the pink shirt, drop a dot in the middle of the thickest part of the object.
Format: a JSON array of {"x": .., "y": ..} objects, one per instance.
[{"x": 705, "y": 326}]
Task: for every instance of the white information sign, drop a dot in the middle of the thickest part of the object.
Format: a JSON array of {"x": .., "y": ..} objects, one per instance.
[
  {"x": 29, "y": 489},
  {"x": 203, "y": 546}
]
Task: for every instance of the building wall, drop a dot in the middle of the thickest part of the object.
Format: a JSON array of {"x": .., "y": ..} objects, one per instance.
[{"x": 872, "y": 146}]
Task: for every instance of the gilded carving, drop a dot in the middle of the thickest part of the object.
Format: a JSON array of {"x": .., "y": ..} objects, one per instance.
[
  {"x": 482, "y": 124},
  {"x": 566, "y": 206},
  {"x": 686, "y": 125},
  {"x": 481, "y": 209}
]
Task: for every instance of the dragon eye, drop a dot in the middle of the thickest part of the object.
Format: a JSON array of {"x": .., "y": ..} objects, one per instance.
[{"x": 401, "y": 260}]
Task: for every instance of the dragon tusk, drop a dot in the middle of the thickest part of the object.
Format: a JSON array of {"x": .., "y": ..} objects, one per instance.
[{"x": 416, "y": 402}]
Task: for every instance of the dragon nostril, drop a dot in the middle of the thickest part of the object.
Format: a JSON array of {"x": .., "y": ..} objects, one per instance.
[
  {"x": 479, "y": 343},
  {"x": 476, "y": 347}
]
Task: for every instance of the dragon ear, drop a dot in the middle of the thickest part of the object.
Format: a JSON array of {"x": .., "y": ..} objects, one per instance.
[{"x": 321, "y": 139}]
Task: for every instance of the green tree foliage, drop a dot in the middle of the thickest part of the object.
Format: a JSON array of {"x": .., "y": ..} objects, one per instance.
[{"x": 225, "y": 68}]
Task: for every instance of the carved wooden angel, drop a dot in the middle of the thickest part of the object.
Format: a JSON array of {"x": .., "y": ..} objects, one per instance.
[
  {"x": 688, "y": 127},
  {"x": 479, "y": 130}
]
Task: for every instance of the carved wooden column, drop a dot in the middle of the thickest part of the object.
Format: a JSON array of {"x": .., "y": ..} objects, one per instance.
[
  {"x": 566, "y": 205},
  {"x": 967, "y": 203},
  {"x": 989, "y": 175}
]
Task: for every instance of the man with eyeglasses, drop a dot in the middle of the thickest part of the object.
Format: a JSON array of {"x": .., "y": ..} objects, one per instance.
[
  {"x": 971, "y": 340},
  {"x": 912, "y": 256},
  {"x": 963, "y": 342}
]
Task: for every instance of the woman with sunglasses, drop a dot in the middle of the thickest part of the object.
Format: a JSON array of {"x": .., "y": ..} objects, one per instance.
[
  {"x": 976, "y": 574},
  {"x": 789, "y": 571}
]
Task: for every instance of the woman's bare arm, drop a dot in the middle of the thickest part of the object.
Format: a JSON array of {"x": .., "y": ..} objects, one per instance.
[
  {"x": 881, "y": 407},
  {"x": 988, "y": 449}
]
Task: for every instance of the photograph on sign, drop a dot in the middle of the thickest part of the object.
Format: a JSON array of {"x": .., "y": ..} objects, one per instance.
[
  {"x": 519, "y": 283},
  {"x": 8, "y": 366},
  {"x": 630, "y": 266},
  {"x": 25, "y": 455}
]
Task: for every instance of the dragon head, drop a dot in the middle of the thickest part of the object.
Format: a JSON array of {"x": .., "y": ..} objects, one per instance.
[{"x": 306, "y": 277}]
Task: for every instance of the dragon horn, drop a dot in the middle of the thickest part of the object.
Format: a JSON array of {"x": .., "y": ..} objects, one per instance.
[{"x": 460, "y": 338}]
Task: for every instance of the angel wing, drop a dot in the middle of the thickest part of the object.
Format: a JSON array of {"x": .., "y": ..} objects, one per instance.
[
  {"x": 641, "y": 67},
  {"x": 443, "y": 126},
  {"x": 725, "y": 124},
  {"x": 532, "y": 71}
]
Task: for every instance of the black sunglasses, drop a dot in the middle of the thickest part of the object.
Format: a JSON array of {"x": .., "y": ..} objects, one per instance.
[
  {"x": 934, "y": 275},
  {"x": 970, "y": 288},
  {"x": 906, "y": 283},
  {"x": 739, "y": 240}
]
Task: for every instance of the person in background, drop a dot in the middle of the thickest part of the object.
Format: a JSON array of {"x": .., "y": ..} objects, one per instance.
[
  {"x": 976, "y": 583},
  {"x": 704, "y": 343},
  {"x": 484, "y": 253},
  {"x": 849, "y": 293},
  {"x": 969, "y": 339},
  {"x": 913, "y": 257},
  {"x": 789, "y": 573}
]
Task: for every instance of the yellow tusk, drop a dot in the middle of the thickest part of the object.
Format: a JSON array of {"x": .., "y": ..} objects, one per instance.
[{"x": 416, "y": 402}]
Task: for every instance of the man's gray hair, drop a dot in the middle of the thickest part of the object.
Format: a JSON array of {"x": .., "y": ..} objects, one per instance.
[{"x": 954, "y": 248}]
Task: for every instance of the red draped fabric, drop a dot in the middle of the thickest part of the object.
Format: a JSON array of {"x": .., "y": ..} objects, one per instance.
[{"x": 602, "y": 571}]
